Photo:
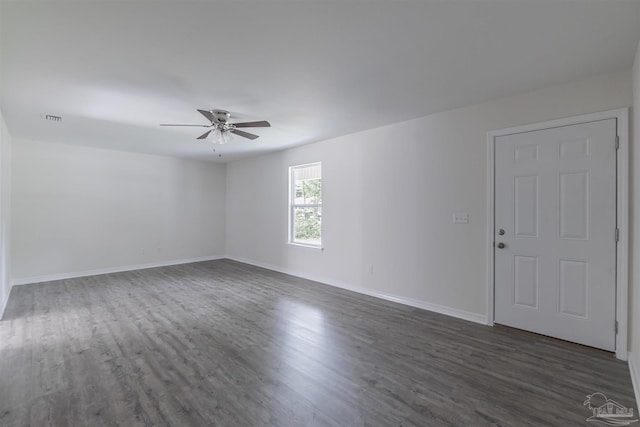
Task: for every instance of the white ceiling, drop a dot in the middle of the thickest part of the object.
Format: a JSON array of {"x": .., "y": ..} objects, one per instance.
[{"x": 316, "y": 69}]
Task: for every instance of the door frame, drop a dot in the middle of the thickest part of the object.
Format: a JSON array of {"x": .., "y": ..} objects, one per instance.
[{"x": 622, "y": 215}]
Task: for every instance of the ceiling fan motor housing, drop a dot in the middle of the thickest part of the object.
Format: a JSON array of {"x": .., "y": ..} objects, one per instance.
[{"x": 221, "y": 116}]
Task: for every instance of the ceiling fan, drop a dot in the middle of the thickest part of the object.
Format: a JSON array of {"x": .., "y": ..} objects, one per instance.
[{"x": 220, "y": 121}]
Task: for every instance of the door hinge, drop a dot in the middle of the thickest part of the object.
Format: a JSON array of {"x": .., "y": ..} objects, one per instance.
[
  {"x": 617, "y": 235},
  {"x": 616, "y": 326},
  {"x": 617, "y": 142}
]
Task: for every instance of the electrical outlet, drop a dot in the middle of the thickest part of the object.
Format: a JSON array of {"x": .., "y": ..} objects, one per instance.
[{"x": 460, "y": 218}]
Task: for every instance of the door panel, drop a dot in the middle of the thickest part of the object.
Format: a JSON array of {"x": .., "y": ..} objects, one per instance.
[
  {"x": 574, "y": 285},
  {"x": 526, "y": 206},
  {"x": 574, "y": 205},
  {"x": 555, "y": 199},
  {"x": 526, "y": 283}
]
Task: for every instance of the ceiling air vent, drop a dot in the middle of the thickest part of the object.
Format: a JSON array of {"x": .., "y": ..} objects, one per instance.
[{"x": 53, "y": 118}]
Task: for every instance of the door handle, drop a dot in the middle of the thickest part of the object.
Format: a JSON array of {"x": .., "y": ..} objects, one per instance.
[{"x": 501, "y": 245}]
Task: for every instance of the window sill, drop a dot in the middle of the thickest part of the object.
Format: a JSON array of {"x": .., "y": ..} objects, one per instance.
[{"x": 318, "y": 248}]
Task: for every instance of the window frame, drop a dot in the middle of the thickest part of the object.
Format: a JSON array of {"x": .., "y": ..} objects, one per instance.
[{"x": 293, "y": 206}]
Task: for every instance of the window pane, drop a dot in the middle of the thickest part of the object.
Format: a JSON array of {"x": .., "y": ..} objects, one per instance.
[
  {"x": 307, "y": 225},
  {"x": 308, "y": 192},
  {"x": 306, "y": 204}
]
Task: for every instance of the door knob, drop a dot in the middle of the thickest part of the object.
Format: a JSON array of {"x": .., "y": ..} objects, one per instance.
[{"x": 501, "y": 245}]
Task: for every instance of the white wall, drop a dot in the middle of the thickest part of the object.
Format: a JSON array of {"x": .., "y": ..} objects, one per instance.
[
  {"x": 5, "y": 213},
  {"x": 634, "y": 256},
  {"x": 389, "y": 197},
  {"x": 79, "y": 209}
]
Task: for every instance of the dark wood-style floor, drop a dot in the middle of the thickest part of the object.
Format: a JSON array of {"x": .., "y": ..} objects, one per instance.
[{"x": 226, "y": 344}]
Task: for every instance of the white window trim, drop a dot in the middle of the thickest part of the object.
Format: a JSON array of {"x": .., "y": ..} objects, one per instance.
[{"x": 292, "y": 206}]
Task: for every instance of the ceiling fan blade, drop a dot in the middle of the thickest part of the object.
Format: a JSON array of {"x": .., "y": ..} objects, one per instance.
[
  {"x": 204, "y": 135},
  {"x": 244, "y": 134},
  {"x": 208, "y": 115},
  {"x": 261, "y": 124},
  {"x": 170, "y": 124}
]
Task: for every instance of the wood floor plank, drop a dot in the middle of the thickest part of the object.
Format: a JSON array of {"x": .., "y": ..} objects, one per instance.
[{"x": 222, "y": 343}]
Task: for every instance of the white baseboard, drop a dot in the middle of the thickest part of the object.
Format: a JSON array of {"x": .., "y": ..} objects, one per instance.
[
  {"x": 441, "y": 309},
  {"x": 449, "y": 311},
  {"x": 635, "y": 380},
  {"x": 62, "y": 276}
]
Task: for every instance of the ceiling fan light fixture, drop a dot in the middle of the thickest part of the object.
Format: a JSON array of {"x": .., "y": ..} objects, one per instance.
[{"x": 219, "y": 137}]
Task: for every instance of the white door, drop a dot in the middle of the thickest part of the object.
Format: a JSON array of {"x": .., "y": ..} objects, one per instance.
[{"x": 555, "y": 232}]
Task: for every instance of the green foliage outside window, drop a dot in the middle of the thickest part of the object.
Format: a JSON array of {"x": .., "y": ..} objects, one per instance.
[
  {"x": 309, "y": 192},
  {"x": 308, "y": 220}
]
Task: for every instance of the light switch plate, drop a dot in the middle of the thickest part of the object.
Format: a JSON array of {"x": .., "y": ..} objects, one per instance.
[{"x": 460, "y": 218}]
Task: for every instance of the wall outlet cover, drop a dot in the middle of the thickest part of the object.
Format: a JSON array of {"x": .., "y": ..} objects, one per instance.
[{"x": 460, "y": 218}]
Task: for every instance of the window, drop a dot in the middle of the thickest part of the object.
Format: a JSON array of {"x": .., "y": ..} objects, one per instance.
[{"x": 305, "y": 204}]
